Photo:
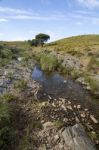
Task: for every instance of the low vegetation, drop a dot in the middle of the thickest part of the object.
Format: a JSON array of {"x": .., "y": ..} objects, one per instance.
[
  {"x": 48, "y": 62},
  {"x": 21, "y": 84}
]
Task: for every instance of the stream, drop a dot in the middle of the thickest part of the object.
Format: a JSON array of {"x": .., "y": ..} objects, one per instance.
[{"x": 55, "y": 86}]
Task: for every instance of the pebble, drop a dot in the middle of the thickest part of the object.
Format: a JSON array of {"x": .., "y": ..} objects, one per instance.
[
  {"x": 56, "y": 137},
  {"x": 83, "y": 115},
  {"x": 78, "y": 106},
  {"x": 69, "y": 102},
  {"x": 63, "y": 107},
  {"x": 70, "y": 107},
  {"x": 93, "y": 119},
  {"x": 65, "y": 81},
  {"x": 77, "y": 119}
]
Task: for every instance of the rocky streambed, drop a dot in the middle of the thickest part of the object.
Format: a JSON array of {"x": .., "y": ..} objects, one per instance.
[{"x": 61, "y": 115}]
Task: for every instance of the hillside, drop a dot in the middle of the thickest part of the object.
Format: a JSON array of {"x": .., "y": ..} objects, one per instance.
[
  {"x": 48, "y": 94},
  {"x": 76, "y": 42}
]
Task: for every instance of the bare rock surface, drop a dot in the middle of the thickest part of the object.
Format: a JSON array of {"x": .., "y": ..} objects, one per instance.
[{"x": 76, "y": 138}]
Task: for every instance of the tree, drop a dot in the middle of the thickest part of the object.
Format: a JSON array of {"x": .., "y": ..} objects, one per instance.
[
  {"x": 34, "y": 42},
  {"x": 42, "y": 38}
]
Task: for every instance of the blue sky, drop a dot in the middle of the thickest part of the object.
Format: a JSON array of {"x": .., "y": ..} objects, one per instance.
[{"x": 23, "y": 19}]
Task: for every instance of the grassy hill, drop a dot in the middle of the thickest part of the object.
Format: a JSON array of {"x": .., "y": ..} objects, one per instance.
[{"x": 76, "y": 42}]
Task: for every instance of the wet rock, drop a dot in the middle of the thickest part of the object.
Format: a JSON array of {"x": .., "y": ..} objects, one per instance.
[
  {"x": 76, "y": 138},
  {"x": 65, "y": 81}
]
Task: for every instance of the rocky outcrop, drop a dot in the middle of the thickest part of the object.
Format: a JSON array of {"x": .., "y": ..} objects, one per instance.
[{"x": 76, "y": 138}]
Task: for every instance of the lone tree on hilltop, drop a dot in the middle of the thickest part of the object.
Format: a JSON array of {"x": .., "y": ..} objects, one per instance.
[
  {"x": 42, "y": 38},
  {"x": 34, "y": 42}
]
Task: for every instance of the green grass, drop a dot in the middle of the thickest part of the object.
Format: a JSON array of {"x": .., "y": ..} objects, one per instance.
[
  {"x": 48, "y": 62},
  {"x": 76, "y": 43},
  {"x": 8, "y": 97},
  {"x": 5, "y": 123},
  {"x": 94, "y": 84},
  {"x": 94, "y": 63},
  {"x": 21, "y": 84}
]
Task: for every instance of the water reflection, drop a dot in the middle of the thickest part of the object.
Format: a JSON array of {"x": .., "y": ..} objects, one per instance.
[{"x": 56, "y": 85}]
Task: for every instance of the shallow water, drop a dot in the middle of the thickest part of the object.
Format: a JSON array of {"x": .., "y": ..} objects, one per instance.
[{"x": 58, "y": 86}]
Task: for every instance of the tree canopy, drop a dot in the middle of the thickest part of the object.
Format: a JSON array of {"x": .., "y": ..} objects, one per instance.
[
  {"x": 42, "y": 38},
  {"x": 39, "y": 40}
]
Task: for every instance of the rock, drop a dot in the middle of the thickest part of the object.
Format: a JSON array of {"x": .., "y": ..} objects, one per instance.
[
  {"x": 76, "y": 138},
  {"x": 19, "y": 58},
  {"x": 63, "y": 107},
  {"x": 75, "y": 106},
  {"x": 83, "y": 115},
  {"x": 88, "y": 88},
  {"x": 69, "y": 107},
  {"x": 56, "y": 137},
  {"x": 53, "y": 104},
  {"x": 81, "y": 80},
  {"x": 77, "y": 119},
  {"x": 65, "y": 81},
  {"x": 78, "y": 106},
  {"x": 47, "y": 125},
  {"x": 69, "y": 102},
  {"x": 49, "y": 97},
  {"x": 86, "y": 109},
  {"x": 93, "y": 119}
]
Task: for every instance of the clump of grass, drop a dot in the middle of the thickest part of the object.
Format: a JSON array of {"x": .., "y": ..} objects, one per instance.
[
  {"x": 8, "y": 97},
  {"x": 94, "y": 62},
  {"x": 94, "y": 84},
  {"x": 5, "y": 124},
  {"x": 21, "y": 84},
  {"x": 75, "y": 73},
  {"x": 75, "y": 53},
  {"x": 48, "y": 62}
]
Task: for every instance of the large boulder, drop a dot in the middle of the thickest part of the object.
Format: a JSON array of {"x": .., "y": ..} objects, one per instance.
[{"x": 76, "y": 138}]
